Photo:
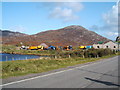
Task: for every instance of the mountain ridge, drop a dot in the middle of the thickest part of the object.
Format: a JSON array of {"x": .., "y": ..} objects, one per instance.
[
  {"x": 71, "y": 35},
  {"x": 10, "y": 33}
]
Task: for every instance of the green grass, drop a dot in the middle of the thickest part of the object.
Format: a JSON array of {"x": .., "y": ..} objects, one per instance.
[{"x": 24, "y": 67}]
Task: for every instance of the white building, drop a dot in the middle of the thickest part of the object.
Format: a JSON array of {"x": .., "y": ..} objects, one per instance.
[{"x": 110, "y": 45}]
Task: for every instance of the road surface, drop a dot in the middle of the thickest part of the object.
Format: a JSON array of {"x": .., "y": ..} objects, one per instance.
[{"x": 102, "y": 74}]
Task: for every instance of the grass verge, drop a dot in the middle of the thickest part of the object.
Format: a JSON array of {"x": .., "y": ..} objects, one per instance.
[{"x": 24, "y": 67}]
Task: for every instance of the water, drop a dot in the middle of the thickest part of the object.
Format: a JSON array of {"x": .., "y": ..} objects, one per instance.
[{"x": 10, "y": 57}]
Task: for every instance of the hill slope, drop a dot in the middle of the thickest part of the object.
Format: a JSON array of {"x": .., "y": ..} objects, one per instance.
[
  {"x": 71, "y": 35},
  {"x": 7, "y": 33}
]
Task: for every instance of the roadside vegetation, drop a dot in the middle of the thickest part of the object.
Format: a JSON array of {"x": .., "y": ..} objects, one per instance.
[
  {"x": 58, "y": 59},
  {"x": 23, "y": 67}
]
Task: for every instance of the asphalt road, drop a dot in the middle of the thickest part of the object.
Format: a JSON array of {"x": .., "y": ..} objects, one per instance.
[{"x": 102, "y": 74}]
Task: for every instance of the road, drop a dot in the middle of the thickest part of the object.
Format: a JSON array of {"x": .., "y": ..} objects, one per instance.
[{"x": 102, "y": 74}]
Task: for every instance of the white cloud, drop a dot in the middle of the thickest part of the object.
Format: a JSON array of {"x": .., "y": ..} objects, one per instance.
[
  {"x": 111, "y": 17},
  {"x": 109, "y": 34},
  {"x": 111, "y": 22},
  {"x": 64, "y": 14},
  {"x": 110, "y": 27},
  {"x": 66, "y": 11},
  {"x": 75, "y": 6}
]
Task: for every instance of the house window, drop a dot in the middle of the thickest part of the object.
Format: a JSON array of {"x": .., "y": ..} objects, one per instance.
[
  {"x": 114, "y": 46},
  {"x": 98, "y": 46},
  {"x": 106, "y": 46}
]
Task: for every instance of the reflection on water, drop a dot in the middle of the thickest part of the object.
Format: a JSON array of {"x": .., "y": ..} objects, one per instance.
[{"x": 9, "y": 57}]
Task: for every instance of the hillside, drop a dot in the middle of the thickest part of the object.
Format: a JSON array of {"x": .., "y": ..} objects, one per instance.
[
  {"x": 71, "y": 35},
  {"x": 10, "y": 37},
  {"x": 7, "y": 33}
]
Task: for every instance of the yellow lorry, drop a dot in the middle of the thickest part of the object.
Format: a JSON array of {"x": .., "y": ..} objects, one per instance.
[
  {"x": 33, "y": 48},
  {"x": 82, "y": 47},
  {"x": 40, "y": 47},
  {"x": 36, "y": 47}
]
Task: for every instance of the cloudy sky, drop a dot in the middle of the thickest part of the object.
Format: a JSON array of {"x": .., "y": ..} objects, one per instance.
[{"x": 34, "y": 17}]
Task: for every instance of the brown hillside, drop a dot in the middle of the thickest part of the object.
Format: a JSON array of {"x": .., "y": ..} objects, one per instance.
[{"x": 71, "y": 35}]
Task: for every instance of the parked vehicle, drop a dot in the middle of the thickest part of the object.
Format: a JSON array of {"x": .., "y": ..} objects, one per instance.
[
  {"x": 51, "y": 48},
  {"x": 40, "y": 47},
  {"x": 82, "y": 47},
  {"x": 88, "y": 47},
  {"x": 24, "y": 47},
  {"x": 85, "y": 47},
  {"x": 68, "y": 47},
  {"x": 33, "y": 48}
]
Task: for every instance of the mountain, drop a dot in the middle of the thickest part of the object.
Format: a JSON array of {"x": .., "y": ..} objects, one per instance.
[
  {"x": 7, "y": 33},
  {"x": 71, "y": 35}
]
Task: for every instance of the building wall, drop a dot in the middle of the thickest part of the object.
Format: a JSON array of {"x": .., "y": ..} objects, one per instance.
[
  {"x": 97, "y": 46},
  {"x": 109, "y": 44}
]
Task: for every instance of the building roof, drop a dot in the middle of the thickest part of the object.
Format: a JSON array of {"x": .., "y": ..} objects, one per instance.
[
  {"x": 44, "y": 45},
  {"x": 102, "y": 42}
]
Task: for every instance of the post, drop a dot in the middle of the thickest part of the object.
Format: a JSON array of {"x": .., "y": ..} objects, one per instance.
[
  {"x": 69, "y": 55},
  {"x": 97, "y": 56},
  {"x": 12, "y": 58},
  {"x": 6, "y": 58},
  {"x": 55, "y": 56},
  {"x": 83, "y": 56}
]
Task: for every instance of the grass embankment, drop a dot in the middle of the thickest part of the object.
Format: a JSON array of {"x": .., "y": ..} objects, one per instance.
[
  {"x": 64, "y": 59},
  {"x": 24, "y": 67}
]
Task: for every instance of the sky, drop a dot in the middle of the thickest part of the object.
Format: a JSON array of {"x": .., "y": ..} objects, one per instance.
[{"x": 35, "y": 17}]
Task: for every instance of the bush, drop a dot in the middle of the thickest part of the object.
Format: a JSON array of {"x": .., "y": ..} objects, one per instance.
[
  {"x": 93, "y": 54},
  {"x": 90, "y": 53}
]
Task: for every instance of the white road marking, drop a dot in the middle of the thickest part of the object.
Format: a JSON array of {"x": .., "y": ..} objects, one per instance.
[{"x": 47, "y": 74}]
